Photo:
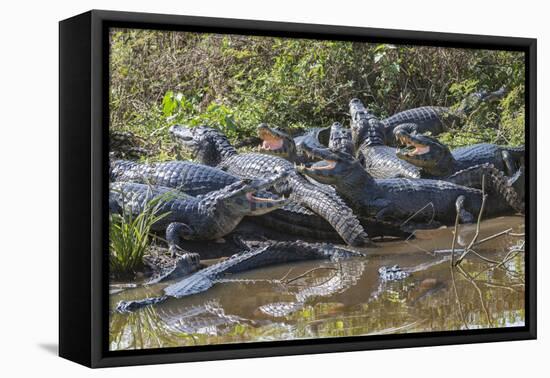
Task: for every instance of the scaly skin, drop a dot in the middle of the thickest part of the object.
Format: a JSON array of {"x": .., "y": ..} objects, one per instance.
[
  {"x": 369, "y": 138},
  {"x": 212, "y": 147},
  {"x": 399, "y": 199},
  {"x": 468, "y": 165},
  {"x": 190, "y": 178},
  {"x": 346, "y": 276},
  {"x": 270, "y": 254},
  {"x": 197, "y": 179},
  {"x": 341, "y": 139},
  {"x": 297, "y": 220},
  {"x": 316, "y": 137},
  {"x": 209, "y": 217},
  {"x": 278, "y": 143},
  {"x": 436, "y": 160},
  {"x": 438, "y": 119},
  {"x": 511, "y": 189}
]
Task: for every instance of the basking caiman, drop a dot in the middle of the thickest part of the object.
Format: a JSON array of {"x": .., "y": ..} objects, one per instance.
[
  {"x": 208, "y": 217},
  {"x": 437, "y": 119},
  {"x": 270, "y": 254},
  {"x": 187, "y": 177},
  {"x": 213, "y": 148},
  {"x": 277, "y": 142},
  {"x": 436, "y": 159},
  {"x": 419, "y": 201},
  {"x": 198, "y": 179},
  {"x": 369, "y": 138}
]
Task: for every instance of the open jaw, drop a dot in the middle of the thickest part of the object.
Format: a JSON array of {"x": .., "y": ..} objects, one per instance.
[
  {"x": 270, "y": 142},
  {"x": 412, "y": 147},
  {"x": 320, "y": 166},
  {"x": 264, "y": 202},
  {"x": 253, "y": 197}
]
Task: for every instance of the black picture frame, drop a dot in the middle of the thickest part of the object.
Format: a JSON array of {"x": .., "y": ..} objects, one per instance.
[{"x": 83, "y": 181}]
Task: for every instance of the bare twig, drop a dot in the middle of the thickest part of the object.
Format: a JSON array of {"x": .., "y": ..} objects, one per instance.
[
  {"x": 455, "y": 235},
  {"x": 286, "y": 275},
  {"x": 474, "y": 284},
  {"x": 309, "y": 272},
  {"x": 418, "y": 212},
  {"x": 502, "y": 233},
  {"x": 451, "y": 267},
  {"x": 518, "y": 235},
  {"x": 483, "y": 257},
  {"x": 478, "y": 226}
]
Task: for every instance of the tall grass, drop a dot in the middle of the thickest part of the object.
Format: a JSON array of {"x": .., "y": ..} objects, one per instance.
[{"x": 130, "y": 236}]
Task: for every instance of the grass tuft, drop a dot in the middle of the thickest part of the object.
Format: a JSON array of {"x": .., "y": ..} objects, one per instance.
[{"x": 130, "y": 237}]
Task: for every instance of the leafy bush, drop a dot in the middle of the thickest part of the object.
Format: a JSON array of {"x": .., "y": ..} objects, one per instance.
[{"x": 235, "y": 82}]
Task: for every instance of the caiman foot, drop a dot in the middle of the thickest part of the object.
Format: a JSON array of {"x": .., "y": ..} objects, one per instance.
[
  {"x": 185, "y": 264},
  {"x": 175, "y": 232}
]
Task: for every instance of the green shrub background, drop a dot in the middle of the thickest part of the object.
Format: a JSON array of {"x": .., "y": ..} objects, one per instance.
[{"x": 235, "y": 82}]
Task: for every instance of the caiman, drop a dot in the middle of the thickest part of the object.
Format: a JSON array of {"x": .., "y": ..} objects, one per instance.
[
  {"x": 197, "y": 179},
  {"x": 278, "y": 143},
  {"x": 424, "y": 202},
  {"x": 187, "y": 177},
  {"x": 438, "y": 119},
  {"x": 213, "y": 148},
  {"x": 369, "y": 138},
  {"x": 207, "y": 217},
  {"x": 435, "y": 159},
  {"x": 269, "y": 254}
]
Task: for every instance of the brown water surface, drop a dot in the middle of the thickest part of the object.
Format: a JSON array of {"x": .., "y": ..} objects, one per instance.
[{"x": 345, "y": 298}]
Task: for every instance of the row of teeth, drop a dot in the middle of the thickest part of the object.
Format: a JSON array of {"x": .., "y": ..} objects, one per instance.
[{"x": 300, "y": 166}]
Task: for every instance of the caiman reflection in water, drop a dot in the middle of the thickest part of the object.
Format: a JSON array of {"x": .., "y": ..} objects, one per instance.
[{"x": 348, "y": 298}]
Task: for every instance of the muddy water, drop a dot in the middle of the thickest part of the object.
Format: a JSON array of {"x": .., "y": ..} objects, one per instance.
[{"x": 343, "y": 299}]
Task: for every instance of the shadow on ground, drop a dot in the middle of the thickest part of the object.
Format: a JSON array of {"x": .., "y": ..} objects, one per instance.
[{"x": 51, "y": 348}]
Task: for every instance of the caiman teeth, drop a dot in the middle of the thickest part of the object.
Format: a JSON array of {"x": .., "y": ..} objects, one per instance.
[
  {"x": 300, "y": 167},
  {"x": 252, "y": 198},
  {"x": 330, "y": 164}
]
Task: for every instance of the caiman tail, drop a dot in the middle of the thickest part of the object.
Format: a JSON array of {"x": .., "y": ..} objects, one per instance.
[
  {"x": 495, "y": 181},
  {"x": 325, "y": 202}
]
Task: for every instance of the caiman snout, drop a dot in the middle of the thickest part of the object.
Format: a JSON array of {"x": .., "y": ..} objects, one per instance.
[
  {"x": 181, "y": 132},
  {"x": 411, "y": 146}
]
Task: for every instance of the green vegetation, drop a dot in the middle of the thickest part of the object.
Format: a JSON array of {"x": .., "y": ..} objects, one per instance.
[
  {"x": 235, "y": 82},
  {"x": 130, "y": 237}
]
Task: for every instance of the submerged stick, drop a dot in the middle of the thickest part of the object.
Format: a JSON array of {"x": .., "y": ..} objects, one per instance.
[
  {"x": 308, "y": 272},
  {"x": 478, "y": 226},
  {"x": 451, "y": 267}
]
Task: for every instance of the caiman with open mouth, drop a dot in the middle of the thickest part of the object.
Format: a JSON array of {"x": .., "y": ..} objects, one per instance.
[
  {"x": 369, "y": 138},
  {"x": 198, "y": 179},
  {"x": 437, "y": 160},
  {"x": 213, "y": 148},
  {"x": 207, "y": 217},
  {"x": 279, "y": 143},
  {"x": 467, "y": 165},
  {"x": 427, "y": 203}
]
